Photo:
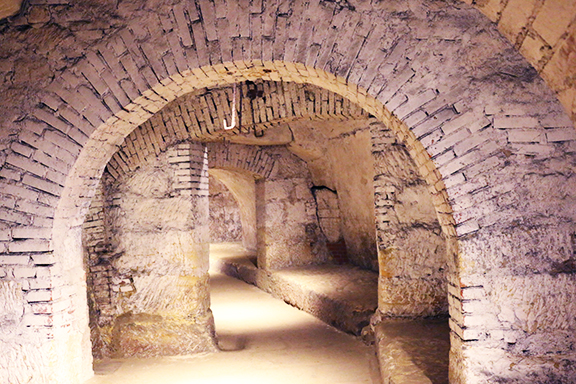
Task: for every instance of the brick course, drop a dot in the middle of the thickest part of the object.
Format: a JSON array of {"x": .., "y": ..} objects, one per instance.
[{"x": 517, "y": 129}]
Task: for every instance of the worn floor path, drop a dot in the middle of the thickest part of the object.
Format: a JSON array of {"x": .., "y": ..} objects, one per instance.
[{"x": 264, "y": 341}]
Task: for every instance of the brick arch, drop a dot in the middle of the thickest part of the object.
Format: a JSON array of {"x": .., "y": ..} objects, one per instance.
[
  {"x": 123, "y": 123},
  {"x": 83, "y": 176},
  {"x": 472, "y": 126},
  {"x": 199, "y": 116},
  {"x": 251, "y": 159}
]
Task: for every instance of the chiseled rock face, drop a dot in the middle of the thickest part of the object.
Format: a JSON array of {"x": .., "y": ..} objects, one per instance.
[
  {"x": 338, "y": 155},
  {"x": 22, "y": 351},
  {"x": 225, "y": 214},
  {"x": 154, "y": 263},
  {"x": 9, "y": 8},
  {"x": 411, "y": 248},
  {"x": 287, "y": 224}
]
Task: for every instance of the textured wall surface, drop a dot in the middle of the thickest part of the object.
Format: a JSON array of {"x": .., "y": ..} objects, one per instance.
[
  {"x": 148, "y": 287},
  {"x": 287, "y": 225},
  {"x": 411, "y": 247},
  {"x": 544, "y": 32},
  {"x": 487, "y": 135},
  {"x": 225, "y": 220},
  {"x": 338, "y": 154}
]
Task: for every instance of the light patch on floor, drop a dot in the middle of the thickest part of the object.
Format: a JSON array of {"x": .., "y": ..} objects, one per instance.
[{"x": 263, "y": 340}]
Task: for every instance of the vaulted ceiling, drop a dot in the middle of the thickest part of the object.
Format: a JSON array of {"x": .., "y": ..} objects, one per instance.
[{"x": 543, "y": 31}]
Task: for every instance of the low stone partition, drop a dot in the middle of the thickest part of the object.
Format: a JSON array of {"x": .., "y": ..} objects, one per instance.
[
  {"x": 343, "y": 296},
  {"x": 413, "y": 351}
]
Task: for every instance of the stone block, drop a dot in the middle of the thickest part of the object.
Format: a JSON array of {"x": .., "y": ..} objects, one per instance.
[
  {"x": 38, "y": 320},
  {"x": 515, "y": 18},
  {"x": 34, "y": 245},
  {"x": 507, "y": 122},
  {"x": 526, "y": 136},
  {"x": 35, "y": 296},
  {"x": 24, "y": 272},
  {"x": 553, "y": 19},
  {"x": 44, "y": 258},
  {"x": 560, "y": 134},
  {"x": 26, "y": 164}
]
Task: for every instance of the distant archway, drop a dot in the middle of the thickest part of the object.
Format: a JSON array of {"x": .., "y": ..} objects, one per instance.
[{"x": 473, "y": 125}]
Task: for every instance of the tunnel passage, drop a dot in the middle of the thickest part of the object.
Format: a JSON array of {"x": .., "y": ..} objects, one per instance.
[
  {"x": 226, "y": 216},
  {"x": 501, "y": 149},
  {"x": 304, "y": 191}
]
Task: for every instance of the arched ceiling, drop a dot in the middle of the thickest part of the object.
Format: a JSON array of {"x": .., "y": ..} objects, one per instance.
[
  {"x": 543, "y": 31},
  {"x": 265, "y": 105}
]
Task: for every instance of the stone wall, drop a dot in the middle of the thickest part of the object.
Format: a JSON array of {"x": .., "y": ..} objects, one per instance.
[
  {"x": 411, "y": 247},
  {"x": 339, "y": 157},
  {"x": 225, "y": 220},
  {"x": 287, "y": 225},
  {"x": 544, "y": 32},
  {"x": 146, "y": 239},
  {"x": 487, "y": 135},
  {"x": 242, "y": 186}
]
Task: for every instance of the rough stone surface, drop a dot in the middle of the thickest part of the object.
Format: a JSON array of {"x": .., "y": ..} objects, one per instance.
[
  {"x": 486, "y": 134},
  {"x": 149, "y": 273},
  {"x": 339, "y": 157},
  {"x": 287, "y": 225},
  {"x": 225, "y": 221},
  {"x": 242, "y": 187},
  {"x": 413, "y": 351},
  {"x": 411, "y": 247}
]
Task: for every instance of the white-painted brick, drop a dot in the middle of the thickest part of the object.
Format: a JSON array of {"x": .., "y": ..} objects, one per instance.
[
  {"x": 467, "y": 227},
  {"x": 38, "y": 283},
  {"x": 415, "y": 102},
  {"x": 14, "y": 260},
  {"x": 29, "y": 246},
  {"x": 44, "y": 259},
  {"x": 42, "y": 308},
  {"x": 14, "y": 217},
  {"x": 10, "y": 174},
  {"x": 532, "y": 149},
  {"x": 560, "y": 134},
  {"x": 34, "y": 209},
  {"x": 22, "y": 149},
  {"x": 525, "y": 136},
  {"x": 506, "y": 122},
  {"x": 42, "y": 185},
  {"x": 31, "y": 233},
  {"x": 37, "y": 320},
  {"x": 38, "y": 295},
  {"x": 448, "y": 141},
  {"x": 24, "y": 272},
  {"x": 26, "y": 164}
]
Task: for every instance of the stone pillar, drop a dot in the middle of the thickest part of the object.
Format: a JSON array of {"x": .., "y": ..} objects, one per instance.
[
  {"x": 156, "y": 258},
  {"x": 288, "y": 233},
  {"x": 411, "y": 247}
]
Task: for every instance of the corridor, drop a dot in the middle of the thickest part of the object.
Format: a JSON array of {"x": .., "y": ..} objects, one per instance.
[{"x": 263, "y": 340}]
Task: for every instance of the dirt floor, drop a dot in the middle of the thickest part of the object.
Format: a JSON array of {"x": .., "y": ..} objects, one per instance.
[{"x": 263, "y": 340}]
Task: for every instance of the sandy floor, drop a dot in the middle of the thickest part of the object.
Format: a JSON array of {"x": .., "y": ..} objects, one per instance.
[{"x": 264, "y": 341}]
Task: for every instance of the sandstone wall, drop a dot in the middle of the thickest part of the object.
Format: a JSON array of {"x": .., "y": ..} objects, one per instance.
[
  {"x": 339, "y": 157},
  {"x": 147, "y": 247},
  {"x": 490, "y": 139},
  {"x": 225, "y": 217},
  {"x": 288, "y": 231},
  {"x": 412, "y": 250}
]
